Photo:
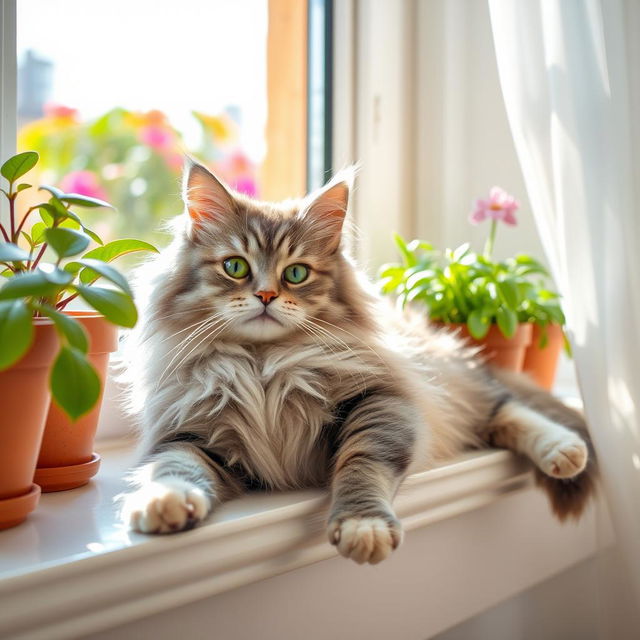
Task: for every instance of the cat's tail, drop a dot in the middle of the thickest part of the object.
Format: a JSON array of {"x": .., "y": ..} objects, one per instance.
[{"x": 568, "y": 496}]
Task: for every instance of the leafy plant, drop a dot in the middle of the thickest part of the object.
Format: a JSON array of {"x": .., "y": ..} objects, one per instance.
[
  {"x": 460, "y": 286},
  {"x": 34, "y": 287},
  {"x": 134, "y": 160}
]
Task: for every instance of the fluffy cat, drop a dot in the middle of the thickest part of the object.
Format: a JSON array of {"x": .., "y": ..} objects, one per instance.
[{"x": 263, "y": 361}]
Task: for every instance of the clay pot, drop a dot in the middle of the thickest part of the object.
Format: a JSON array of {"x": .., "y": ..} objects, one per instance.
[
  {"x": 506, "y": 353},
  {"x": 541, "y": 364},
  {"x": 67, "y": 459},
  {"x": 24, "y": 401}
]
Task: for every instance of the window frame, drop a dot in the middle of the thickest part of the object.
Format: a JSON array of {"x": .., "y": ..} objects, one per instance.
[{"x": 8, "y": 86}]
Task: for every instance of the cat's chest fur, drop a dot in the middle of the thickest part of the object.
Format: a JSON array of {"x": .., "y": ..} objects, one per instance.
[{"x": 274, "y": 404}]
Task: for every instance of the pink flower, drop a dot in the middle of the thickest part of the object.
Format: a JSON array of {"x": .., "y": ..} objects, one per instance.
[
  {"x": 157, "y": 137},
  {"x": 84, "y": 183},
  {"x": 53, "y": 110},
  {"x": 498, "y": 206},
  {"x": 246, "y": 185}
]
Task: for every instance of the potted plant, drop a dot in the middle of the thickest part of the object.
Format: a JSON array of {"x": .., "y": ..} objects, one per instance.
[
  {"x": 34, "y": 294},
  {"x": 494, "y": 304},
  {"x": 541, "y": 308}
]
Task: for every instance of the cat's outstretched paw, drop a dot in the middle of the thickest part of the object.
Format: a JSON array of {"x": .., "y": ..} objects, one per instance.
[
  {"x": 365, "y": 539},
  {"x": 566, "y": 459},
  {"x": 165, "y": 506}
]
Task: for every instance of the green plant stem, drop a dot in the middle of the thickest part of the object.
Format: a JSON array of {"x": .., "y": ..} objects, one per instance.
[{"x": 488, "y": 247}]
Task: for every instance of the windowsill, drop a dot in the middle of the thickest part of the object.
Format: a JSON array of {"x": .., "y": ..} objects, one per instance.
[{"x": 86, "y": 572}]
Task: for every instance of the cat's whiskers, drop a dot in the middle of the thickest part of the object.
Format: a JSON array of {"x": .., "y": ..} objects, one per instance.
[
  {"x": 199, "y": 322},
  {"x": 182, "y": 312},
  {"x": 319, "y": 332},
  {"x": 209, "y": 336},
  {"x": 321, "y": 343},
  {"x": 363, "y": 342},
  {"x": 347, "y": 347},
  {"x": 193, "y": 334},
  {"x": 212, "y": 323}
]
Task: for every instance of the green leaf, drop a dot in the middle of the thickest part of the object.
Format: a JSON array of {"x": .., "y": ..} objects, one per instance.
[
  {"x": 55, "y": 274},
  {"x": 115, "y": 306},
  {"x": 72, "y": 267},
  {"x": 49, "y": 213},
  {"x": 460, "y": 252},
  {"x": 54, "y": 191},
  {"x": 37, "y": 233},
  {"x": 75, "y": 385},
  {"x": 28, "y": 238},
  {"x": 45, "y": 216},
  {"x": 18, "y": 165},
  {"x": 97, "y": 268},
  {"x": 94, "y": 236},
  {"x": 10, "y": 252},
  {"x": 507, "y": 321},
  {"x": 16, "y": 332},
  {"x": 68, "y": 327},
  {"x": 24, "y": 285},
  {"x": 409, "y": 257},
  {"x": 22, "y": 187},
  {"x": 478, "y": 324},
  {"x": 83, "y": 201},
  {"x": 66, "y": 242},
  {"x": 117, "y": 248},
  {"x": 425, "y": 276},
  {"x": 414, "y": 245},
  {"x": 508, "y": 290}
]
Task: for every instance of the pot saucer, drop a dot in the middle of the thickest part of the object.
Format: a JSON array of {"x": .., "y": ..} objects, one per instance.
[
  {"x": 14, "y": 510},
  {"x": 70, "y": 477}
]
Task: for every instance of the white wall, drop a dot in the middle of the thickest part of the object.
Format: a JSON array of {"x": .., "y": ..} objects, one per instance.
[
  {"x": 565, "y": 606},
  {"x": 431, "y": 129}
]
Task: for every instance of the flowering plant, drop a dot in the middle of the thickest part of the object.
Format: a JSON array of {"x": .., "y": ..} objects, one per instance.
[
  {"x": 36, "y": 283},
  {"x": 132, "y": 159},
  {"x": 461, "y": 286}
]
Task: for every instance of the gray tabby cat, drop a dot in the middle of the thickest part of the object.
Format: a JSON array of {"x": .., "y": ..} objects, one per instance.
[{"x": 264, "y": 362}]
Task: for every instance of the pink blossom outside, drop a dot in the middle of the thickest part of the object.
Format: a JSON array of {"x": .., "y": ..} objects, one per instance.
[
  {"x": 498, "y": 206},
  {"x": 156, "y": 137},
  {"x": 84, "y": 183}
]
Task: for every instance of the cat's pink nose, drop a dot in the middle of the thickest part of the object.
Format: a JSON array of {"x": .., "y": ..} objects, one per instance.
[{"x": 266, "y": 296}]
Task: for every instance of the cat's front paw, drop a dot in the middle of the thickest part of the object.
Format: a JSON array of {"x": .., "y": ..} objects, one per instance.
[
  {"x": 165, "y": 506},
  {"x": 365, "y": 539}
]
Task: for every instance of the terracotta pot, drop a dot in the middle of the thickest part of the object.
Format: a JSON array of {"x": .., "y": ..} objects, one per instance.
[
  {"x": 541, "y": 364},
  {"x": 66, "y": 457},
  {"x": 506, "y": 353},
  {"x": 24, "y": 400}
]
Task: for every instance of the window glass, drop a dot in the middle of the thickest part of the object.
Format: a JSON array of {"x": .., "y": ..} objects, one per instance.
[{"x": 113, "y": 94}]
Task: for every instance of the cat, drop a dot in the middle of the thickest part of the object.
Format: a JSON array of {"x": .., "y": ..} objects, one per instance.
[{"x": 264, "y": 360}]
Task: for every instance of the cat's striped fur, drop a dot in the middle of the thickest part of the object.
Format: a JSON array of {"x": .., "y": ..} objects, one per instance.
[{"x": 322, "y": 386}]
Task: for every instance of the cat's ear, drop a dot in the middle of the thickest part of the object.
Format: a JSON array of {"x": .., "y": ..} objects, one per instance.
[
  {"x": 326, "y": 208},
  {"x": 204, "y": 195}
]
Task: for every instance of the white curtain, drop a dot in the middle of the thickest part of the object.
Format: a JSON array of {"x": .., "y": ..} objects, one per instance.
[{"x": 570, "y": 77}]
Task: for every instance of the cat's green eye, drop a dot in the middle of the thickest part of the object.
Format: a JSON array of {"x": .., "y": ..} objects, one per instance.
[
  {"x": 296, "y": 273},
  {"x": 236, "y": 267}
]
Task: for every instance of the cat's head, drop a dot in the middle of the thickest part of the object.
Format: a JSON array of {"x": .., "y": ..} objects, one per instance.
[{"x": 263, "y": 271}]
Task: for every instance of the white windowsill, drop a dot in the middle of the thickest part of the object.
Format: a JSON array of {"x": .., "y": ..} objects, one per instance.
[{"x": 86, "y": 573}]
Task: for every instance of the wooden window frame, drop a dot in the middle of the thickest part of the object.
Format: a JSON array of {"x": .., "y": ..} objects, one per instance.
[{"x": 284, "y": 171}]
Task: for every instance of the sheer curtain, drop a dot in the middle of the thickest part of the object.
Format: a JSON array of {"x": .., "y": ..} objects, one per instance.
[{"x": 570, "y": 77}]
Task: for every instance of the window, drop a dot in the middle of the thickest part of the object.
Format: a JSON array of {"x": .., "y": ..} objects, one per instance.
[{"x": 112, "y": 96}]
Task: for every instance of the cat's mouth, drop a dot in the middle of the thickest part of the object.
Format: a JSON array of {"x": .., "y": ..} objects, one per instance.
[{"x": 264, "y": 317}]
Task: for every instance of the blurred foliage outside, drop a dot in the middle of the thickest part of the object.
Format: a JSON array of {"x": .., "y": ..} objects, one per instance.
[{"x": 133, "y": 160}]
